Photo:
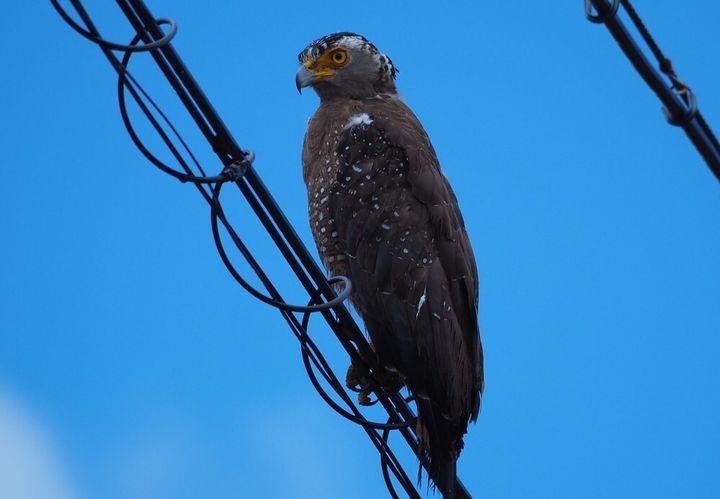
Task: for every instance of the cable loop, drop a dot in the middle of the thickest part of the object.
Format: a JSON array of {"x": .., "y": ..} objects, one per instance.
[
  {"x": 125, "y": 78},
  {"x": 308, "y": 346},
  {"x": 119, "y": 46},
  {"x": 216, "y": 213},
  {"x": 601, "y": 17},
  {"x": 359, "y": 420}
]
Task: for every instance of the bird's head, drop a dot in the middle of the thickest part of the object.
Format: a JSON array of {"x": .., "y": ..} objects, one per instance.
[{"x": 345, "y": 65}]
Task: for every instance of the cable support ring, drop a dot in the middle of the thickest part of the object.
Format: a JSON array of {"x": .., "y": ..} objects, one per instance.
[{"x": 689, "y": 114}]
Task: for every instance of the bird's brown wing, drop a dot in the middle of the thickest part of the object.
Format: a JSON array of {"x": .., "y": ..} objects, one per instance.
[{"x": 410, "y": 259}]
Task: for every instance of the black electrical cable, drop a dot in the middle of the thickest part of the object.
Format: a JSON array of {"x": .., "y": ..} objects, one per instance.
[
  {"x": 385, "y": 471},
  {"x": 238, "y": 169},
  {"x": 680, "y": 105},
  {"x": 666, "y": 67},
  {"x": 117, "y": 46},
  {"x": 124, "y": 75}
]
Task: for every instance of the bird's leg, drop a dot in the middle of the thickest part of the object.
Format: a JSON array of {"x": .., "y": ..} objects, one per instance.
[
  {"x": 356, "y": 381},
  {"x": 359, "y": 382},
  {"x": 390, "y": 380}
]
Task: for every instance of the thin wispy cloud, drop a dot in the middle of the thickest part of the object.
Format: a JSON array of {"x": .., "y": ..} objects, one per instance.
[{"x": 30, "y": 463}]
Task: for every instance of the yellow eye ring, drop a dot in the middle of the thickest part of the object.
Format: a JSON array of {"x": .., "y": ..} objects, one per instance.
[{"x": 339, "y": 57}]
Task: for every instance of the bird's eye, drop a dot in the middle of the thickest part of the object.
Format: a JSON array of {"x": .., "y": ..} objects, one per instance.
[{"x": 339, "y": 57}]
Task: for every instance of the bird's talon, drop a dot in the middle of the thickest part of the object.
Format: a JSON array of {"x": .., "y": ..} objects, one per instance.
[
  {"x": 353, "y": 378},
  {"x": 364, "y": 398}
]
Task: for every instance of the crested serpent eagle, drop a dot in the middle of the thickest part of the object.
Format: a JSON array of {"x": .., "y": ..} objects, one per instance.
[{"x": 383, "y": 214}]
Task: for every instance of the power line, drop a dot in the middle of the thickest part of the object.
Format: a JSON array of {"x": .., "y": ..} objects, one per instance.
[
  {"x": 679, "y": 101},
  {"x": 238, "y": 169}
]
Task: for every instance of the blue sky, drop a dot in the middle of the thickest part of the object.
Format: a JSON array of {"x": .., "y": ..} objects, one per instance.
[{"x": 131, "y": 365}]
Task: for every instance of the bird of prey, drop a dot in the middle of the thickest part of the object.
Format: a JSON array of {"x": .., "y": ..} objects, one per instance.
[{"x": 383, "y": 214}]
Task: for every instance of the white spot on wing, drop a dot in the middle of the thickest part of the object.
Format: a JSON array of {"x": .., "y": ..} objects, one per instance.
[{"x": 421, "y": 302}]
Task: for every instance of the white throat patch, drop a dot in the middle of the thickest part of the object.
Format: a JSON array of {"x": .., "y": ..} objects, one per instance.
[{"x": 358, "y": 119}]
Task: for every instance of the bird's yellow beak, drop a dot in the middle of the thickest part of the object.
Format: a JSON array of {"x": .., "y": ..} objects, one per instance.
[{"x": 310, "y": 72}]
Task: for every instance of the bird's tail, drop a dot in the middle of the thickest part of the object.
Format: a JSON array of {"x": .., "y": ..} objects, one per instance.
[{"x": 440, "y": 443}]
